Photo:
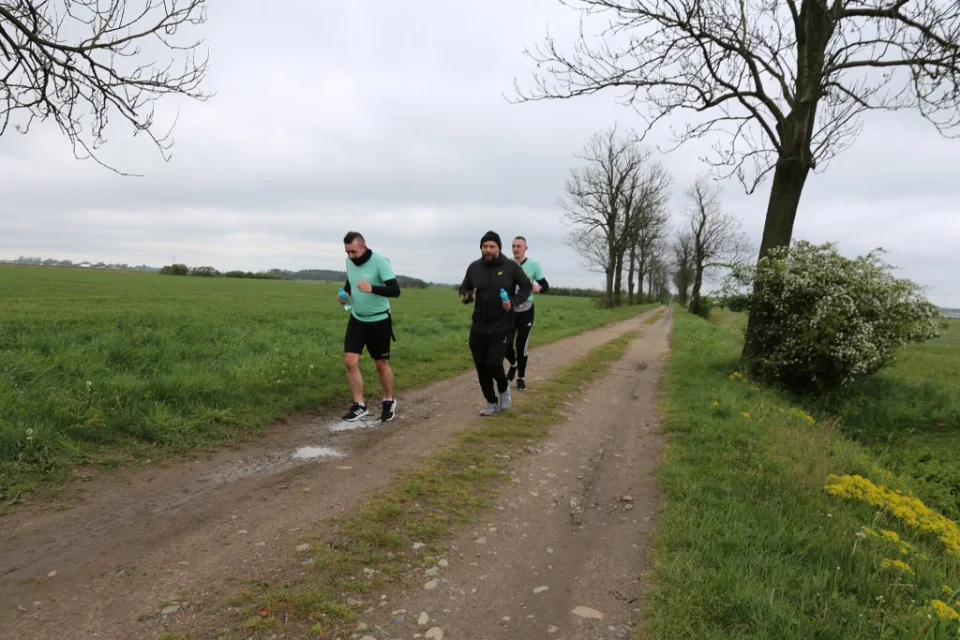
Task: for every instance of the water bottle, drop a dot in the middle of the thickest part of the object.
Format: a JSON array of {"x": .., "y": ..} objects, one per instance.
[
  {"x": 504, "y": 298},
  {"x": 343, "y": 296}
]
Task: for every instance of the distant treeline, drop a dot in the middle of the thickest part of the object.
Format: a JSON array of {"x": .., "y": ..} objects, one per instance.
[
  {"x": 53, "y": 262},
  {"x": 318, "y": 275}
]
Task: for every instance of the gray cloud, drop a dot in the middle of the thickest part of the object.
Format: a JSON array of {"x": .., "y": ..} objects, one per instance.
[{"x": 390, "y": 119}]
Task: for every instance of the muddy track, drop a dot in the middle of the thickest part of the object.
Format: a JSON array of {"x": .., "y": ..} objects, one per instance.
[
  {"x": 563, "y": 554},
  {"x": 100, "y": 561}
]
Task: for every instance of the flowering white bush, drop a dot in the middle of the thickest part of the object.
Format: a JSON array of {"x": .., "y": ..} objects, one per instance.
[{"x": 828, "y": 321}]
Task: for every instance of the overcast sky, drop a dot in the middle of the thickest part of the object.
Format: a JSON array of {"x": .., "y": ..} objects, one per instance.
[{"x": 389, "y": 118}]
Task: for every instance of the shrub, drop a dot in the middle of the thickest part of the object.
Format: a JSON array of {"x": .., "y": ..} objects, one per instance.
[
  {"x": 705, "y": 306},
  {"x": 829, "y": 321},
  {"x": 178, "y": 269}
]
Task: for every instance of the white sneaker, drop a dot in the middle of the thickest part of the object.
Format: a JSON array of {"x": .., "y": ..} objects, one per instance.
[
  {"x": 506, "y": 400},
  {"x": 490, "y": 409}
]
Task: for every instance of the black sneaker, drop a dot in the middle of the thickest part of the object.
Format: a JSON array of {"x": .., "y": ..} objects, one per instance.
[
  {"x": 356, "y": 412},
  {"x": 389, "y": 411},
  {"x": 521, "y": 385},
  {"x": 511, "y": 372}
]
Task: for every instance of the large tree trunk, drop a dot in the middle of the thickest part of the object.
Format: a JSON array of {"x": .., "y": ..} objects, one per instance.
[
  {"x": 796, "y": 158},
  {"x": 633, "y": 265},
  {"x": 618, "y": 280},
  {"x": 788, "y": 180},
  {"x": 641, "y": 272},
  {"x": 608, "y": 299},
  {"x": 613, "y": 268},
  {"x": 697, "y": 283}
]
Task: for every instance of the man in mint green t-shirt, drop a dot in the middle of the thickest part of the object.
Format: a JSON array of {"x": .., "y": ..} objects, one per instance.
[
  {"x": 517, "y": 348},
  {"x": 370, "y": 281}
]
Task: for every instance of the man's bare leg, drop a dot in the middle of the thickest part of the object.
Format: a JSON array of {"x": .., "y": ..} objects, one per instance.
[
  {"x": 386, "y": 378},
  {"x": 354, "y": 378}
]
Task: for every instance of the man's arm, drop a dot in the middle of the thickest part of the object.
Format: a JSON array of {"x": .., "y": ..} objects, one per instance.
[
  {"x": 523, "y": 285},
  {"x": 390, "y": 289},
  {"x": 466, "y": 288},
  {"x": 346, "y": 286},
  {"x": 538, "y": 276}
]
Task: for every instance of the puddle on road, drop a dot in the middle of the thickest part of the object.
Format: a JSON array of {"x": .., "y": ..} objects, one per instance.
[
  {"x": 343, "y": 425},
  {"x": 236, "y": 470},
  {"x": 314, "y": 453}
]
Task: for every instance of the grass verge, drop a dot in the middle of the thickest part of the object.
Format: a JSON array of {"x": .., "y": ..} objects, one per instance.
[
  {"x": 109, "y": 369},
  {"x": 776, "y": 525},
  {"x": 450, "y": 488},
  {"x": 908, "y": 417}
]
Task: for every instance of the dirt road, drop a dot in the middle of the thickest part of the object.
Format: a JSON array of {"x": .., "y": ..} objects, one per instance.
[
  {"x": 105, "y": 559},
  {"x": 562, "y": 556}
]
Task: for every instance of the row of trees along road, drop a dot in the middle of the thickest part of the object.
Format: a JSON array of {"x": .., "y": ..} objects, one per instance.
[{"x": 616, "y": 201}]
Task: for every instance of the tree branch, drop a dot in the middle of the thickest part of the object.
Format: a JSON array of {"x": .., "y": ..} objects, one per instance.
[
  {"x": 806, "y": 70},
  {"x": 49, "y": 73}
]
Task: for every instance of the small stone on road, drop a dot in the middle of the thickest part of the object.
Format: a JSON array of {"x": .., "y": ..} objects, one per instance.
[{"x": 587, "y": 612}]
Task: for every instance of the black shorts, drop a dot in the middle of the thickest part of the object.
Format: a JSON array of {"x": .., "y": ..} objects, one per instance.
[{"x": 375, "y": 336}]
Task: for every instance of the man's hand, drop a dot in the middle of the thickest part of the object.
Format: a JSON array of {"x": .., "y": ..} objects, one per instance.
[
  {"x": 364, "y": 286},
  {"x": 507, "y": 305},
  {"x": 536, "y": 288},
  {"x": 341, "y": 301}
]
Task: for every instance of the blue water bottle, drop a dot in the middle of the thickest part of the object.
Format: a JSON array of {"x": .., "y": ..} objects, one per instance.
[
  {"x": 343, "y": 296},
  {"x": 504, "y": 298}
]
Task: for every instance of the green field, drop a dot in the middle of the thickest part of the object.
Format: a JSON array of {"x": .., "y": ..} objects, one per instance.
[
  {"x": 909, "y": 418},
  {"x": 751, "y": 544},
  {"x": 112, "y": 367}
]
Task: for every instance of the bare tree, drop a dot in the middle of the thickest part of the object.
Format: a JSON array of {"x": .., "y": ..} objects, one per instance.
[
  {"x": 717, "y": 238},
  {"x": 598, "y": 200},
  {"x": 645, "y": 203},
  {"x": 591, "y": 245},
  {"x": 650, "y": 227},
  {"x": 79, "y": 62},
  {"x": 784, "y": 84},
  {"x": 658, "y": 275},
  {"x": 683, "y": 266}
]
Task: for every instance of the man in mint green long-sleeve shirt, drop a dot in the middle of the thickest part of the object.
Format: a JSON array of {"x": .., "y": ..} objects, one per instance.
[{"x": 517, "y": 349}]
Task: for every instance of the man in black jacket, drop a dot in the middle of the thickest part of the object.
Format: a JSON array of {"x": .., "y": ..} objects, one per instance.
[{"x": 493, "y": 319}]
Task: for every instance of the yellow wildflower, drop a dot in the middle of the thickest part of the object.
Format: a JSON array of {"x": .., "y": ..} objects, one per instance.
[
  {"x": 715, "y": 404},
  {"x": 890, "y": 535},
  {"x": 746, "y": 416},
  {"x": 944, "y": 611},
  {"x": 911, "y": 511},
  {"x": 899, "y": 565},
  {"x": 947, "y": 591},
  {"x": 800, "y": 415}
]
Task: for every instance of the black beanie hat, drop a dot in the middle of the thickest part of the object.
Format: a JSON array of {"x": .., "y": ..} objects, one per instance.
[{"x": 491, "y": 235}]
